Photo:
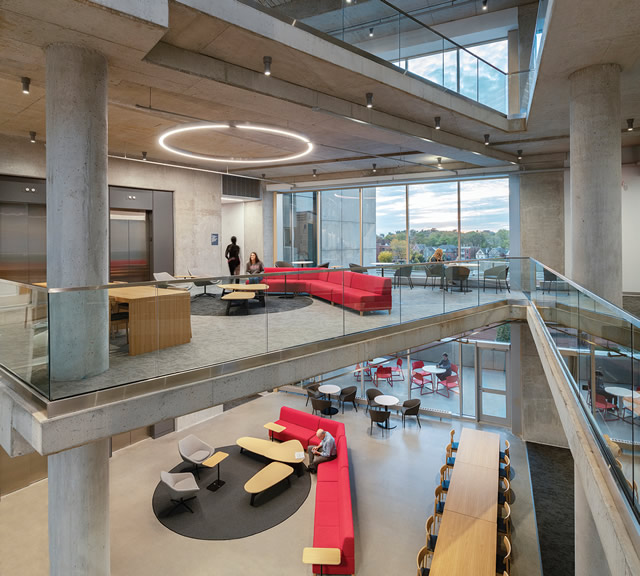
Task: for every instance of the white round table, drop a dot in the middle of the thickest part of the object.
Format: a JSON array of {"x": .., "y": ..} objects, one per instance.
[
  {"x": 378, "y": 361},
  {"x": 329, "y": 389},
  {"x": 619, "y": 392},
  {"x": 386, "y": 400}
]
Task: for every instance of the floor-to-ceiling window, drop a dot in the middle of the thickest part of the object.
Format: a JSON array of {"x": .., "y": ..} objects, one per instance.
[
  {"x": 340, "y": 230},
  {"x": 391, "y": 224},
  {"x": 298, "y": 217}
]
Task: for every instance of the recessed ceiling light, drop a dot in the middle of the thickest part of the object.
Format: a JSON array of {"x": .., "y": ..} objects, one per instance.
[
  {"x": 630, "y": 125},
  {"x": 267, "y": 65},
  {"x": 26, "y": 82},
  {"x": 234, "y": 160},
  {"x": 437, "y": 119},
  {"x": 315, "y": 173},
  {"x": 486, "y": 139},
  {"x": 32, "y": 137}
]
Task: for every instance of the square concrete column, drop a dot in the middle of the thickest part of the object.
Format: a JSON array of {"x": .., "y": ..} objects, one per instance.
[
  {"x": 596, "y": 172},
  {"x": 77, "y": 210}
]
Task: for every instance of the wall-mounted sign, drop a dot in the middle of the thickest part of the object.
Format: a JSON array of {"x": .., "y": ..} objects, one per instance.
[{"x": 214, "y": 239}]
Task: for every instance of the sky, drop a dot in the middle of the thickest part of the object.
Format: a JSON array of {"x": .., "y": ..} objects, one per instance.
[{"x": 485, "y": 206}]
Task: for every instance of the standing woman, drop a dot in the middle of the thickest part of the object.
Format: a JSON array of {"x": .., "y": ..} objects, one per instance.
[
  {"x": 254, "y": 266},
  {"x": 232, "y": 254}
]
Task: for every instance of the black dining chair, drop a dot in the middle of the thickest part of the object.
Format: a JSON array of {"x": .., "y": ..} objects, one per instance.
[
  {"x": 411, "y": 408},
  {"x": 378, "y": 417},
  {"x": 348, "y": 394}
]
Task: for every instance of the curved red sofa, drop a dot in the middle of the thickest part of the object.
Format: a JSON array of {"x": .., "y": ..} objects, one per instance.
[
  {"x": 333, "y": 523},
  {"x": 360, "y": 292}
]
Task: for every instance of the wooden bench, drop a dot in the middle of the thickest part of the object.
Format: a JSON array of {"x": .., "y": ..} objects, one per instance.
[{"x": 267, "y": 477}]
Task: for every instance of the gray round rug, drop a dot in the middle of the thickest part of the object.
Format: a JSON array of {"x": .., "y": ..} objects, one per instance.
[
  {"x": 226, "y": 514},
  {"x": 206, "y": 306}
]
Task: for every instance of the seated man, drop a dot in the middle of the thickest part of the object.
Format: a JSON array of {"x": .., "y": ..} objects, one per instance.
[
  {"x": 324, "y": 452},
  {"x": 444, "y": 363}
]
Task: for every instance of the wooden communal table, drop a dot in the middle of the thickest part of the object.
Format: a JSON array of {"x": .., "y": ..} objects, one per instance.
[
  {"x": 269, "y": 476},
  {"x": 289, "y": 452},
  {"x": 158, "y": 317},
  {"x": 468, "y": 534}
]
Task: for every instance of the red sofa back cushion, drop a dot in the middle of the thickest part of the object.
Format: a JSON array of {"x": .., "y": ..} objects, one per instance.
[{"x": 300, "y": 418}]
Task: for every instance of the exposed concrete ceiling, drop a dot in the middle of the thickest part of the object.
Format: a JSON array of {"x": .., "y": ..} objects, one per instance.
[{"x": 205, "y": 68}]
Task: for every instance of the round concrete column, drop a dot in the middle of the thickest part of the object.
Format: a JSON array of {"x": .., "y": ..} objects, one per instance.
[
  {"x": 77, "y": 210},
  {"x": 596, "y": 199},
  {"x": 79, "y": 511}
]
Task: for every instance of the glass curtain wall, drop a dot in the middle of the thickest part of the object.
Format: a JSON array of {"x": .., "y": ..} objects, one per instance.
[
  {"x": 340, "y": 230},
  {"x": 391, "y": 224},
  {"x": 297, "y": 241}
]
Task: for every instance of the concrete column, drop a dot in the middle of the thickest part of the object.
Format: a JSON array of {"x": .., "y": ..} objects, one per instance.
[
  {"x": 77, "y": 210},
  {"x": 596, "y": 212},
  {"x": 514, "y": 77},
  {"x": 590, "y": 557},
  {"x": 79, "y": 511}
]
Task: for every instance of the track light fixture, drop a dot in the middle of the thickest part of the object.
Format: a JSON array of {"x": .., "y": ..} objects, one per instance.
[
  {"x": 630, "y": 125},
  {"x": 439, "y": 163},
  {"x": 370, "y": 32},
  {"x": 26, "y": 82},
  {"x": 437, "y": 119},
  {"x": 267, "y": 65},
  {"x": 486, "y": 139},
  {"x": 484, "y": 4},
  {"x": 519, "y": 154},
  {"x": 374, "y": 168},
  {"x": 32, "y": 137},
  {"x": 144, "y": 156},
  {"x": 369, "y": 99},
  {"x": 315, "y": 173}
]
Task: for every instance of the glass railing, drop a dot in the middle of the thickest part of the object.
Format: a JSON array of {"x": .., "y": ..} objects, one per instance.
[
  {"x": 406, "y": 40},
  {"x": 599, "y": 346},
  {"x": 65, "y": 342}
]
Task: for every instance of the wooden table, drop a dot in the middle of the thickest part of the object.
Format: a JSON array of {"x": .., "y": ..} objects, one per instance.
[
  {"x": 212, "y": 461},
  {"x": 321, "y": 556},
  {"x": 479, "y": 448},
  {"x": 267, "y": 477},
  {"x": 235, "y": 298},
  {"x": 273, "y": 427},
  {"x": 158, "y": 317},
  {"x": 466, "y": 546},
  {"x": 258, "y": 289},
  {"x": 467, "y": 538},
  {"x": 289, "y": 452}
]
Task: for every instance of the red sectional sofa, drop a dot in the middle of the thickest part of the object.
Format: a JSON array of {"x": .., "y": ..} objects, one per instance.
[
  {"x": 333, "y": 524},
  {"x": 353, "y": 290}
]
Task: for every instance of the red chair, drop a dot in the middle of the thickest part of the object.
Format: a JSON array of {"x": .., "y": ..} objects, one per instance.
[
  {"x": 383, "y": 372},
  {"x": 605, "y": 407},
  {"x": 449, "y": 383},
  {"x": 397, "y": 369},
  {"x": 420, "y": 380},
  {"x": 362, "y": 372},
  {"x": 417, "y": 364}
]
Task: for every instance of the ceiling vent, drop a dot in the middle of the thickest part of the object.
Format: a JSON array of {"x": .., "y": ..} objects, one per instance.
[{"x": 240, "y": 188}]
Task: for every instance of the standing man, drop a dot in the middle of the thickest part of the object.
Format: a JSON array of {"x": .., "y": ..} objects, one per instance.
[
  {"x": 444, "y": 363},
  {"x": 324, "y": 452}
]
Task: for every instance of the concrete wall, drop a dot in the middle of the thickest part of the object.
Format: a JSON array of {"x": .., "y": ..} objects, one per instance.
[
  {"x": 542, "y": 220},
  {"x": 630, "y": 228},
  {"x": 540, "y": 421},
  {"x": 196, "y": 197},
  {"x": 244, "y": 221}
]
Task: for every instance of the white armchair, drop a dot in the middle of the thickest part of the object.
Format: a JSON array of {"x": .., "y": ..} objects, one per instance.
[
  {"x": 182, "y": 487},
  {"x": 166, "y": 277},
  {"x": 194, "y": 451}
]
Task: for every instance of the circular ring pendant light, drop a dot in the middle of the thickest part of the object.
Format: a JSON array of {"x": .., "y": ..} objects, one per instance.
[{"x": 222, "y": 126}]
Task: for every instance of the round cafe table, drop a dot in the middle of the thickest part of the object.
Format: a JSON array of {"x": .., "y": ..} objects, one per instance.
[
  {"x": 433, "y": 370},
  {"x": 619, "y": 392},
  {"x": 329, "y": 389},
  {"x": 386, "y": 400},
  {"x": 377, "y": 361}
]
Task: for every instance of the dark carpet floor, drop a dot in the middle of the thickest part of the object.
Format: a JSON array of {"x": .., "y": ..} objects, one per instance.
[
  {"x": 227, "y": 514},
  {"x": 205, "y": 306},
  {"x": 553, "y": 497}
]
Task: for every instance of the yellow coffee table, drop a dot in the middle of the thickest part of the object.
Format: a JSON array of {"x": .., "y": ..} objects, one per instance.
[
  {"x": 321, "y": 556},
  {"x": 269, "y": 476},
  {"x": 212, "y": 461},
  {"x": 273, "y": 427},
  {"x": 289, "y": 452},
  {"x": 237, "y": 298}
]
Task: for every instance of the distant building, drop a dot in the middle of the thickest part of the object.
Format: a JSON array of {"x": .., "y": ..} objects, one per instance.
[
  {"x": 450, "y": 251},
  {"x": 480, "y": 254},
  {"x": 497, "y": 252}
]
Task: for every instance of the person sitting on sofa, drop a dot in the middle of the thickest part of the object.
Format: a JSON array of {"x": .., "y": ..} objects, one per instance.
[
  {"x": 254, "y": 266},
  {"x": 324, "y": 452},
  {"x": 444, "y": 363}
]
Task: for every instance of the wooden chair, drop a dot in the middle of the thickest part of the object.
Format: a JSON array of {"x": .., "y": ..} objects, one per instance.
[
  {"x": 423, "y": 561},
  {"x": 449, "y": 383},
  {"x": 432, "y": 537},
  {"x": 454, "y": 445},
  {"x": 504, "y": 491},
  {"x": 503, "y": 564},
  {"x": 506, "y": 451},
  {"x": 451, "y": 460},
  {"x": 438, "y": 505},
  {"x": 383, "y": 373},
  {"x": 445, "y": 476},
  {"x": 397, "y": 369},
  {"x": 505, "y": 471},
  {"x": 348, "y": 394},
  {"x": 504, "y": 520},
  {"x": 371, "y": 394}
]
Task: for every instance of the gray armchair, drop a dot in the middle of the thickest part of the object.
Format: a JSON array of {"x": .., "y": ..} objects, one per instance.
[
  {"x": 400, "y": 273},
  {"x": 498, "y": 274},
  {"x": 194, "y": 451},
  {"x": 411, "y": 408},
  {"x": 357, "y": 268},
  {"x": 165, "y": 277},
  {"x": 203, "y": 283},
  {"x": 435, "y": 271},
  {"x": 371, "y": 394},
  {"x": 182, "y": 487},
  {"x": 379, "y": 417},
  {"x": 283, "y": 264},
  {"x": 459, "y": 274}
]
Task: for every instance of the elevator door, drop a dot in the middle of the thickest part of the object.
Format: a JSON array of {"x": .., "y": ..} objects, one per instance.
[
  {"x": 23, "y": 242},
  {"x": 129, "y": 234}
]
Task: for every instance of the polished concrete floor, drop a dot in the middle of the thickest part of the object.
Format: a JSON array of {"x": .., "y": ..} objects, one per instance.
[{"x": 393, "y": 479}]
